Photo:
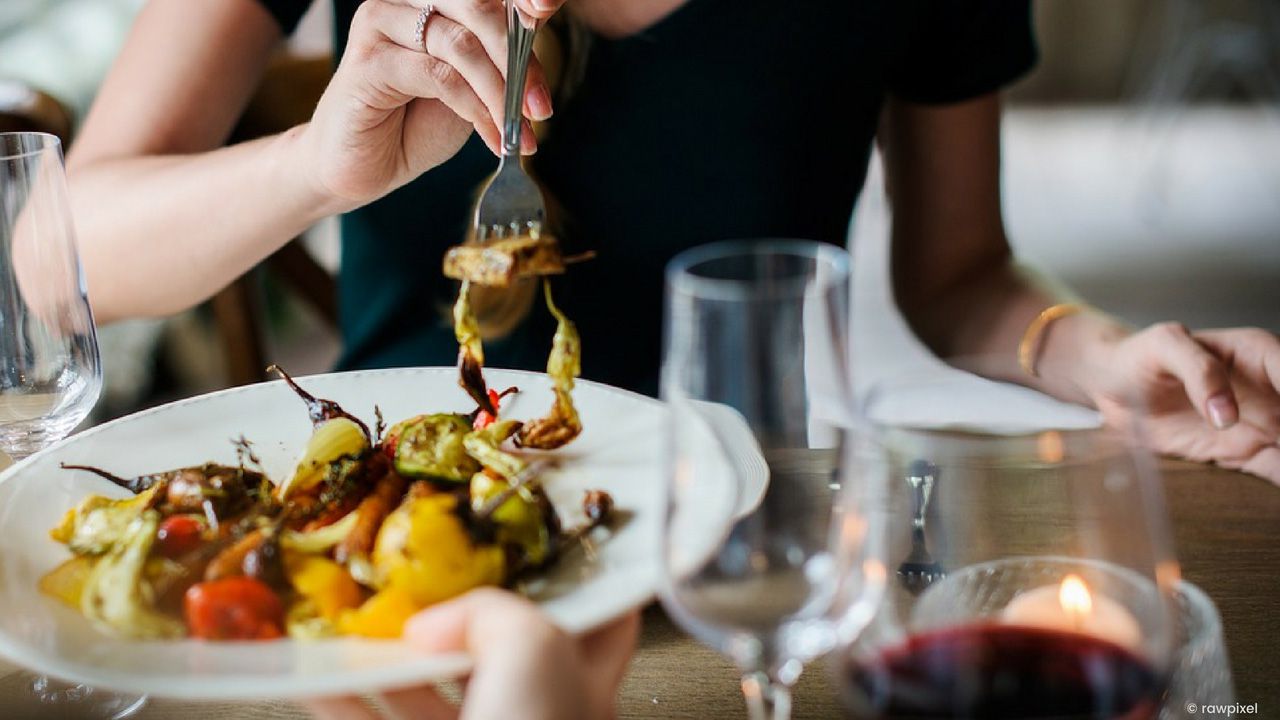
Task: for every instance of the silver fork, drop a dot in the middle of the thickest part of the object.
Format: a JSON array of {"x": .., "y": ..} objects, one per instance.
[
  {"x": 511, "y": 204},
  {"x": 920, "y": 570}
]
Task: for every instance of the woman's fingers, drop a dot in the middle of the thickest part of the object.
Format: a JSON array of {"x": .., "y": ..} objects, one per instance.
[
  {"x": 469, "y": 622},
  {"x": 607, "y": 652},
  {"x": 381, "y": 25},
  {"x": 339, "y": 708},
  {"x": 1247, "y": 448},
  {"x": 1253, "y": 355},
  {"x": 1202, "y": 374},
  {"x": 1253, "y": 352},
  {"x": 417, "y": 75},
  {"x": 442, "y": 39},
  {"x": 1265, "y": 464},
  {"x": 540, "y": 9},
  {"x": 417, "y": 703},
  {"x": 487, "y": 20}
]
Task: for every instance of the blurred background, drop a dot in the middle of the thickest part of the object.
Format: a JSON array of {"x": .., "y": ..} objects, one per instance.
[{"x": 1141, "y": 167}]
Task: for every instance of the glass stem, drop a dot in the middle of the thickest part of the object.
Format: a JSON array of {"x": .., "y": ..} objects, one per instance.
[{"x": 767, "y": 698}]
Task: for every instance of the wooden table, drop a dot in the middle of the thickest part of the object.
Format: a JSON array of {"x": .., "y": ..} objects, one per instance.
[{"x": 1227, "y": 528}]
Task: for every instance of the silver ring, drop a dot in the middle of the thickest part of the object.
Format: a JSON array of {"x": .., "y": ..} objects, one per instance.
[{"x": 420, "y": 29}]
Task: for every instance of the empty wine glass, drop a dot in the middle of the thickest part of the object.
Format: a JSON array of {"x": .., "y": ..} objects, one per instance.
[
  {"x": 1053, "y": 577},
  {"x": 768, "y": 556},
  {"x": 50, "y": 374}
]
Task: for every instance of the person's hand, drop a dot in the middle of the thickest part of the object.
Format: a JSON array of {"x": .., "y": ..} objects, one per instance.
[
  {"x": 396, "y": 107},
  {"x": 1210, "y": 396},
  {"x": 525, "y": 667}
]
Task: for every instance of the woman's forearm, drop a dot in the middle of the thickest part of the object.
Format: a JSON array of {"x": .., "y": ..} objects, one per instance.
[
  {"x": 981, "y": 323},
  {"x": 159, "y": 234}
]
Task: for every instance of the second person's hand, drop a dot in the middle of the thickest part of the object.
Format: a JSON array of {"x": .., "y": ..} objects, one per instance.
[
  {"x": 399, "y": 105},
  {"x": 525, "y": 667}
]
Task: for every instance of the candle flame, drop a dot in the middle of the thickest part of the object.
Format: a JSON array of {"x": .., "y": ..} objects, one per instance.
[{"x": 1074, "y": 596}]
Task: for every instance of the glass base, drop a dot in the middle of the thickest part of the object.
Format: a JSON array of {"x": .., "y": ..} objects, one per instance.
[{"x": 36, "y": 697}]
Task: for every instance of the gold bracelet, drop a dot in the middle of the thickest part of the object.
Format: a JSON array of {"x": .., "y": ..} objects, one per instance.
[{"x": 1029, "y": 347}]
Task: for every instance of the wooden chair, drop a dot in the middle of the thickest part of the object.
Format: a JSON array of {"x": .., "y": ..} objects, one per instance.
[
  {"x": 287, "y": 96},
  {"x": 24, "y": 108}
]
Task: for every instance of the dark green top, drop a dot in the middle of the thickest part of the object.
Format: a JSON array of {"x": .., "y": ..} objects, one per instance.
[{"x": 726, "y": 119}]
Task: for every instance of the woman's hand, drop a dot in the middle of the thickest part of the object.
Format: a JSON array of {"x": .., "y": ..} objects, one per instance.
[
  {"x": 397, "y": 107},
  {"x": 525, "y": 667},
  {"x": 1210, "y": 396}
]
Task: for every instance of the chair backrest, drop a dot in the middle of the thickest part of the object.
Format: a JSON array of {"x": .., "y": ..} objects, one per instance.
[
  {"x": 24, "y": 108},
  {"x": 286, "y": 97}
]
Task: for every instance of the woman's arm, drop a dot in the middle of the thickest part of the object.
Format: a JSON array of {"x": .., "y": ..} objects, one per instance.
[
  {"x": 954, "y": 275},
  {"x": 166, "y": 220},
  {"x": 1209, "y": 395},
  {"x": 163, "y": 221}
]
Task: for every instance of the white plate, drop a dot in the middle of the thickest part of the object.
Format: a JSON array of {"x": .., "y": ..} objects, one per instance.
[{"x": 619, "y": 451}]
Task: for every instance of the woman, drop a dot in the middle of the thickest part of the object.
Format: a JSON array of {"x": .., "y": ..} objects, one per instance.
[{"x": 690, "y": 121}]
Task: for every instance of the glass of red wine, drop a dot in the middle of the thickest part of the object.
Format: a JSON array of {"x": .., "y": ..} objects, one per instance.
[{"x": 1031, "y": 573}]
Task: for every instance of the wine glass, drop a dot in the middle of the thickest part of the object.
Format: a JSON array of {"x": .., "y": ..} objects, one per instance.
[
  {"x": 50, "y": 374},
  {"x": 1052, "y": 577},
  {"x": 767, "y": 554}
]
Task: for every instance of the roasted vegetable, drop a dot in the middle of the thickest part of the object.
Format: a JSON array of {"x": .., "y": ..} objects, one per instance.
[
  {"x": 485, "y": 447},
  {"x": 499, "y": 262},
  {"x": 179, "y": 535},
  {"x": 320, "y": 540},
  {"x": 324, "y": 552},
  {"x": 98, "y": 522},
  {"x": 369, "y": 516},
  {"x": 66, "y": 582},
  {"x": 521, "y": 524},
  {"x": 483, "y": 419},
  {"x": 564, "y": 364},
  {"x": 597, "y": 505},
  {"x": 230, "y": 562},
  {"x": 324, "y": 583},
  {"x": 265, "y": 561},
  {"x": 425, "y": 549},
  {"x": 117, "y": 597},
  {"x": 332, "y": 441},
  {"x": 220, "y": 489},
  {"x": 381, "y": 616},
  {"x": 470, "y": 351},
  {"x": 237, "y": 608},
  {"x": 431, "y": 446},
  {"x": 318, "y": 409}
]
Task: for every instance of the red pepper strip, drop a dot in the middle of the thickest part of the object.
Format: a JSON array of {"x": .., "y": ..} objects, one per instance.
[{"x": 483, "y": 418}]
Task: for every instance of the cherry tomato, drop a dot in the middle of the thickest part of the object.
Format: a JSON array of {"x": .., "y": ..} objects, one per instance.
[
  {"x": 235, "y": 608},
  {"x": 179, "y": 535},
  {"x": 484, "y": 419}
]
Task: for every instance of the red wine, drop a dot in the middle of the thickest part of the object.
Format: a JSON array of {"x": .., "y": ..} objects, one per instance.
[{"x": 1002, "y": 671}]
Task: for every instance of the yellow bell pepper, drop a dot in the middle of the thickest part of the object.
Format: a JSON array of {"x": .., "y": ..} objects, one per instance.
[
  {"x": 66, "y": 582},
  {"x": 520, "y": 520},
  {"x": 324, "y": 582},
  {"x": 381, "y": 616},
  {"x": 426, "y": 556},
  {"x": 424, "y": 549}
]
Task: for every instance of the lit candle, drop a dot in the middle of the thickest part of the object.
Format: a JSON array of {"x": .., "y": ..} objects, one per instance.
[{"x": 1070, "y": 607}]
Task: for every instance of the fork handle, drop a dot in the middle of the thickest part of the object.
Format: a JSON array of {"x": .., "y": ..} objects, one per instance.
[{"x": 519, "y": 47}]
